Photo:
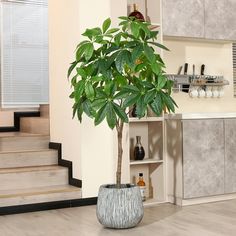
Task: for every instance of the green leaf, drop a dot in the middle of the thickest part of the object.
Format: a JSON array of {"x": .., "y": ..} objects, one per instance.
[
  {"x": 149, "y": 96},
  {"x": 139, "y": 67},
  {"x": 98, "y": 103},
  {"x": 79, "y": 90},
  {"x": 101, "y": 114},
  {"x": 131, "y": 88},
  {"x": 168, "y": 102},
  {"x": 111, "y": 116},
  {"x": 119, "y": 62},
  {"x": 120, "y": 95},
  {"x": 91, "y": 33},
  {"x": 156, "y": 68},
  {"x": 126, "y": 18},
  {"x": 106, "y": 24},
  {"x": 157, "y": 105},
  {"x": 88, "y": 51},
  {"x": 140, "y": 107},
  {"x": 112, "y": 31},
  {"x": 81, "y": 72},
  {"x": 145, "y": 29},
  {"x": 110, "y": 88},
  {"x": 159, "y": 45},
  {"x": 89, "y": 91},
  {"x": 161, "y": 81},
  {"x": 117, "y": 39},
  {"x": 131, "y": 100},
  {"x": 120, "y": 112},
  {"x": 149, "y": 53},
  {"x": 135, "y": 29},
  {"x": 137, "y": 52},
  {"x": 88, "y": 109},
  {"x": 71, "y": 68},
  {"x": 120, "y": 80},
  {"x": 81, "y": 43}
]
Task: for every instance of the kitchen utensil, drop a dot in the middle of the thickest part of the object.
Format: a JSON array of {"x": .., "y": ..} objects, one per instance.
[
  {"x": 202, "y": 69},
  {"x": 180, "y": 69},
  {"x": 186, "y": 68}
]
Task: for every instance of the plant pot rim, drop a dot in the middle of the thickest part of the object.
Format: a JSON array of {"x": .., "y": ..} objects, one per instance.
[{"x": 114, "y": 186}]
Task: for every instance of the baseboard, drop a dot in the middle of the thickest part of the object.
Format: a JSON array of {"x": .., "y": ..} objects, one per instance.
[
  {"x": 17, "y": 116},
  {"x": 47, "y": 206},
  {"x": 65, "y": 163}
]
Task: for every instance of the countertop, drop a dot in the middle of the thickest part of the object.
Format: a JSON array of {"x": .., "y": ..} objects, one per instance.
[{"x": 189, "y": 116}]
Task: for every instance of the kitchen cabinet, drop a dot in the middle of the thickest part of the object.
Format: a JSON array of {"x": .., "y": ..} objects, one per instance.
[
  {"x": 204, "y": 19},
  {"x": 220, "y": 19},
  {"x": 203, "y": 158},
  {"x": 201, "y": 161},
  {"x": 230, "y": 157},
  {"x": 183, "y": 18}
]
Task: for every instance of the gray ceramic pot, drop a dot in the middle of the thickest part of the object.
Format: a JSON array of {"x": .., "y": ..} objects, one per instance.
[{"x": 119, "y": 208}]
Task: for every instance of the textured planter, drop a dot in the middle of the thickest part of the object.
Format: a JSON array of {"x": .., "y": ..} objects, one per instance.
[{"x": 119, "y": 208}]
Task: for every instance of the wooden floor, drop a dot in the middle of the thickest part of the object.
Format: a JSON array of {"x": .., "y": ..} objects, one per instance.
[{"x": 213, "y": 219}]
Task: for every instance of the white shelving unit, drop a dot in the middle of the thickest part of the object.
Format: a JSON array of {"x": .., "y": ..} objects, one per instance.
[
  {"x": 146, "y": 161},
  {"x": 151, "y": 129}
]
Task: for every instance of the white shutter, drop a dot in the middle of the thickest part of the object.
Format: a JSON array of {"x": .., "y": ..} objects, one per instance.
[{"x": 24, "y": 52}]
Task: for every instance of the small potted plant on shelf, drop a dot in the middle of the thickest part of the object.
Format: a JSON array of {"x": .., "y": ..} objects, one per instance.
[{"x": 114, "y": 69}]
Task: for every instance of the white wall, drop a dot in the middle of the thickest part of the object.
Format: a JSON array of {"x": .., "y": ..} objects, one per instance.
[
  {"x": 217, "y": 58},
  {"x": 92, "y": 149}
]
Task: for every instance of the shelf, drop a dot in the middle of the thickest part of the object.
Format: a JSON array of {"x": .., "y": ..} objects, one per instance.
[
  {"x": 225, "y": 82},
  {"x": 145, "y": 161},
  {"x": 146, "y": 119}
]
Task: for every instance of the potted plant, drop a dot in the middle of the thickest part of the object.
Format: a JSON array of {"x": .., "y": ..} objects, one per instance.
[{"x": 115, "y": 69}]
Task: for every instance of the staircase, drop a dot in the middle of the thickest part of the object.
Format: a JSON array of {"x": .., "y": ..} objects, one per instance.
[{"x": 29, "y": 170}]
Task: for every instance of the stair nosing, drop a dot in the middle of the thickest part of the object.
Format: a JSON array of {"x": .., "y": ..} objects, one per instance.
[
  {"x": 62, "y": 190},
  {"x": 31, "y": 169},
  {"x": 27, "y": 151},
  {"x": 24, "y": 134}
]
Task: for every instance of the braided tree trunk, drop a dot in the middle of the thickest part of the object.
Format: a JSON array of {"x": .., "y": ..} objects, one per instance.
[{"x": 119, "y": 128}]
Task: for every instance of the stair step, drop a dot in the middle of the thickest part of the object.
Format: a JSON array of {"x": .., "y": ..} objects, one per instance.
[
  {"x": 26, "y": 177},
  {"x": 13, "y": 141},
  {"x": 38, "y": 195},
  {"x": 28, "y": 158},
  {"x": 44, "y": 110},
  {"x": 35, "y": 125}
]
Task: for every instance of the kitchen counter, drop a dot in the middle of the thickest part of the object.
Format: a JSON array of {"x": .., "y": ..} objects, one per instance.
[{"x": 189, "y": 116}]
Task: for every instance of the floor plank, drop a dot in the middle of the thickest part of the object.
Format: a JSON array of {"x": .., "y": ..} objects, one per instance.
[{"x": 214, "y": 219}]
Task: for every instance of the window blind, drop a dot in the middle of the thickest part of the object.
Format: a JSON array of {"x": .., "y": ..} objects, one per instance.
[
  {"x": 234, "y": 67},
  {"x": 24, "y": 52}
]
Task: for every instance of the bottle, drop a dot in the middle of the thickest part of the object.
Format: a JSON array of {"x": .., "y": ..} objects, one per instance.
[
  {"x": 142, "y": 186},
  {"x": 133, "y": 113},
  {"x": 136, "y": 14},
  {"x": 139, "y": 152}
]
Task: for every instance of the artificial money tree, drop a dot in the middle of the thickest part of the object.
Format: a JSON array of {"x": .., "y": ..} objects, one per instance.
[{"x": 115, "y": 69}]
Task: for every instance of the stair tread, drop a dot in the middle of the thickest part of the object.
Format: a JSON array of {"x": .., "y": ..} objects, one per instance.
[
  {"x": 38, "y": 191},
  {"x": 31, "y": 169},
  {"x": 20, "y": 134},
  {"x": 28, "y": 151}
]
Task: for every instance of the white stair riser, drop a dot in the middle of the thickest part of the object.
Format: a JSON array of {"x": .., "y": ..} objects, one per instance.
[
  {"x": 35, "y": 125},
  {"x": 25, "y": 159},
  {"x": 23, "y": 180},
  {"x": 39, "y": 198},
  {"x": 23, "y": 143}
]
